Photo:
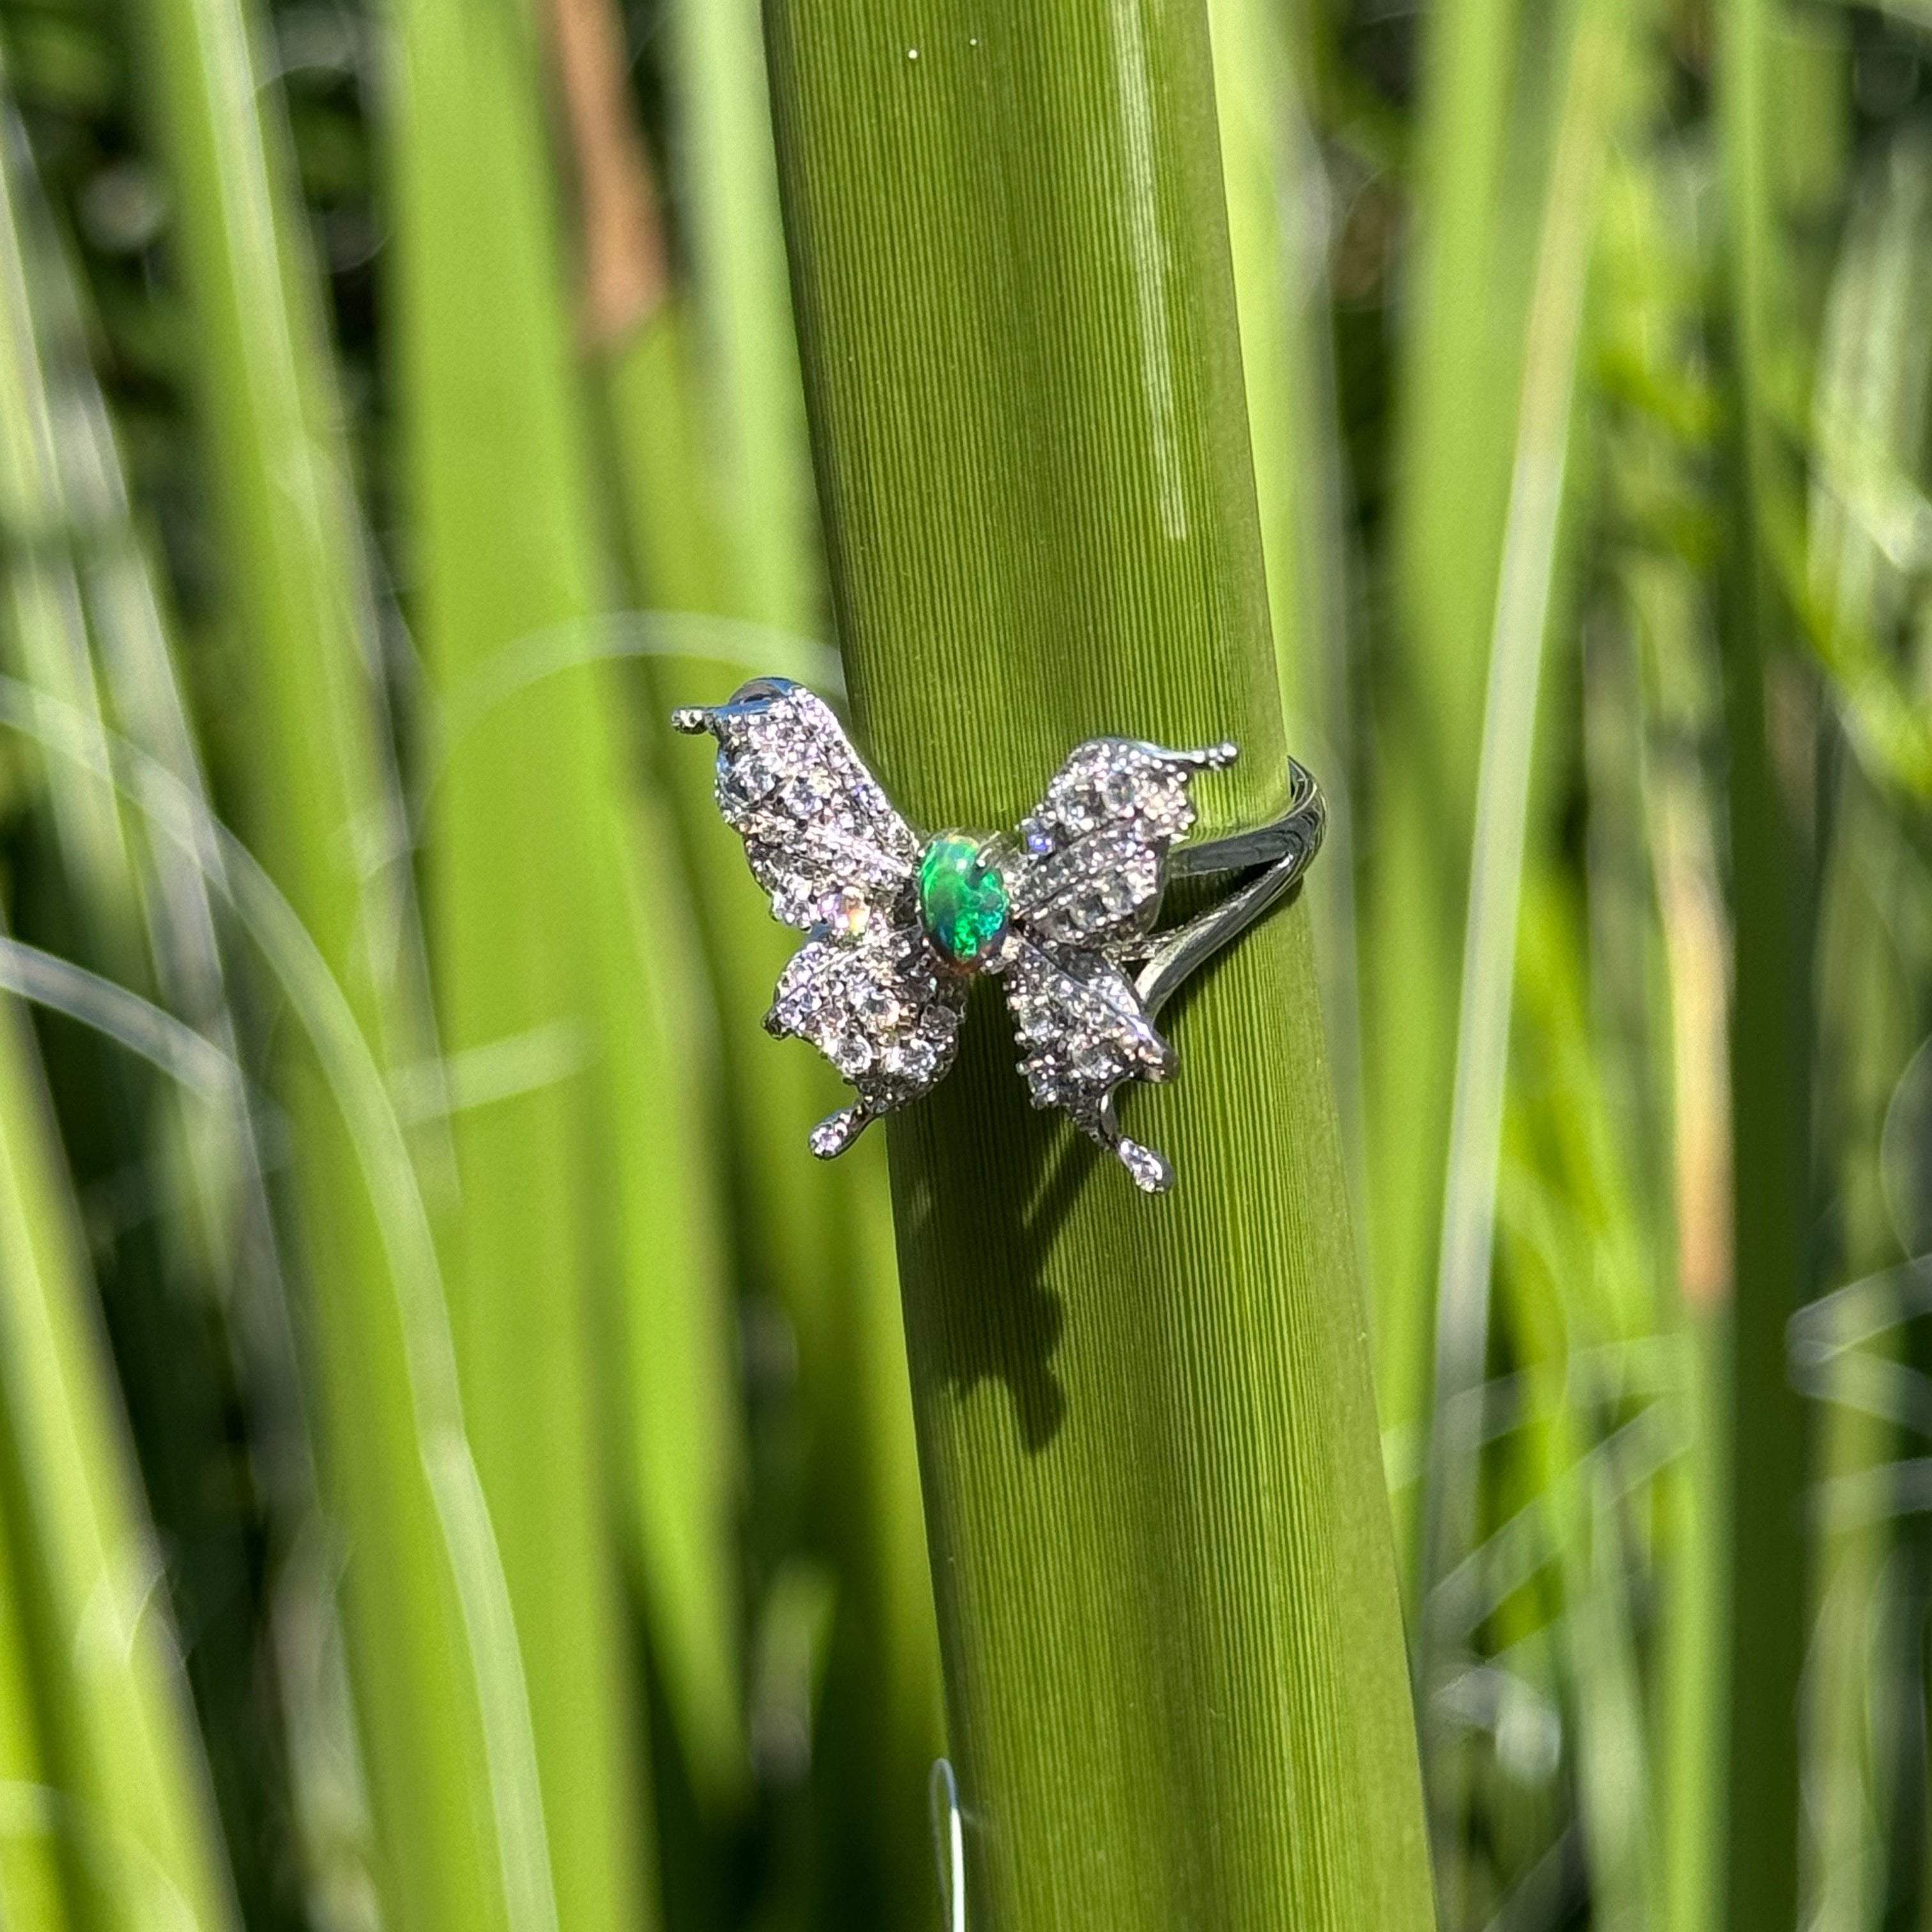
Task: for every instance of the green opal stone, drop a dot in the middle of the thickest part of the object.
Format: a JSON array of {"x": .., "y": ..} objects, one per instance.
[{"x": 962, "y": 899}]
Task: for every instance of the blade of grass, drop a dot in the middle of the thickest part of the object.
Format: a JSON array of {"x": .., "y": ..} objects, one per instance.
[
  {"x": 141, "y": 1844},
  {"x": 1579, "y": 1276},
  {"x": 1658, "y": 421},
  {"x": 1874, "y": 359},
  {"x": 1687, "y": 1739},
  {"x": 218, "y": 1221},
  {"x": 748, "y": 357},
  {"x": 46, "y": 631},
  {"x": 1455, "y": 427},
  {"x": 1522, "y": 605},
  {"x": 803, "y": 1234},
  {"x": 1769, "y": 778},
  {"x": 32, "y": 1891},
  {"x": 807, "y": 1238},
  {"x": 75, "y": 572},
  {"x": 1018, "y": 325},
  {"x": 464, "y": 1554},
  {"x": 1278, "y": 216},
  {"x": 555, "y": 902},
  {"x": 688, "y": 1448},
  {"x": 452, "y": 1819}
]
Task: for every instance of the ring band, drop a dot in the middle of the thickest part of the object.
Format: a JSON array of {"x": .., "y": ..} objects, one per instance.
[{"x": 1285, "y": 850}]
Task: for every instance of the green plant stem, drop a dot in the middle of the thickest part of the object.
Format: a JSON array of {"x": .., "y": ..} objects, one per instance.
[
  {"x": 1455, "y": 429},
  {"x": 1152, "y": 1473},
  {"x": 1525, "y": 586},
  {"x": 127, "y": 1786},
  {"x": 320, "y": 810},
  {"x": 1765, "y": 1423},
  {"x": 1276, "y": 195},
  {"x": 590, "y": 1212}
]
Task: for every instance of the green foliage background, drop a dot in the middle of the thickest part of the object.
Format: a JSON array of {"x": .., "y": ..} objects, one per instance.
[{"x": 459, "y": 1468}]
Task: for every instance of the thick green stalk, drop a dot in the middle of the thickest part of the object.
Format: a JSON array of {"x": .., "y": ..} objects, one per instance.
[
  {"x": 309, "y": 744},
  {"x": 1168, "y": 1606},
  {"x": 127, "y": 1792},
  {"x": 1770, "y": 772}
]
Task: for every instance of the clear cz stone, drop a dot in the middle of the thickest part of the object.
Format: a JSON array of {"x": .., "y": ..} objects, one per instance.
[
  {"x": 876, "y": 1006},
  {"x": 806, "y": 793},
  {"x": 852, "y": 1054},
  {"x": 846, "y": 912},
  {"x": 746, "y": 780}
]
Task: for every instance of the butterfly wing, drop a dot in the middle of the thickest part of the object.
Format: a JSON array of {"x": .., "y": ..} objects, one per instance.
[
  {"x": 1082, "y": 1032},
  {"x": 1097, "y": 846},
  {"x": 876, "y": 1008},
  {"x": 838, "y": 862},
  {"x": 813, "y": 819},
  {"x": 1085, "y": 895}
]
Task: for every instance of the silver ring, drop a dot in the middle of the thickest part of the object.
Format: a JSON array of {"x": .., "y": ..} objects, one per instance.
[{"x": 1064, "y": 911}]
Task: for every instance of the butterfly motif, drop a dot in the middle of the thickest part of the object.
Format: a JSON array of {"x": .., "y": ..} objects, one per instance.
[{"x": 898, "y": 927}]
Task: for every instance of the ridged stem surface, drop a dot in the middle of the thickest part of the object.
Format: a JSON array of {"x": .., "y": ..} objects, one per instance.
[{"x": 1167, "y": 1607}]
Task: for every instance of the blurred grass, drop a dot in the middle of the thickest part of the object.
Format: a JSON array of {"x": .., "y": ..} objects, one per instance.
[
  {"x": 1770, "y": 730},
  {"x": 1478, "y": 135},
  {"x": 400, "y": 410},
  {"x": 734, "y": 580},
  {"x": 580, "y": 1216},
  {"x": 123, "y": 1799}
]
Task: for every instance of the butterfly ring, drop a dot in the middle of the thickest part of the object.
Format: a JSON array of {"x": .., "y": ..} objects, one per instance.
[{"x": 1063, "y": 910}]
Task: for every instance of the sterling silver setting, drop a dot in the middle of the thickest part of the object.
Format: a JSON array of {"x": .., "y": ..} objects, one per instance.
[{"x": 1064, "y": 911}]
